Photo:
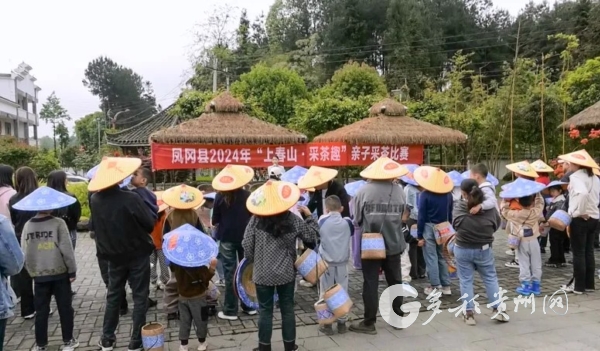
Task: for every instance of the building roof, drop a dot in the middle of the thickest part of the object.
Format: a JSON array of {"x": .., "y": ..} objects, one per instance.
[
  {"x": 590, "y": 117},
  {"x": 139, "y": 134}
]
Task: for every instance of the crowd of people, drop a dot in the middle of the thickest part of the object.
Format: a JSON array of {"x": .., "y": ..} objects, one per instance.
[{"x": 430, "y": 223}]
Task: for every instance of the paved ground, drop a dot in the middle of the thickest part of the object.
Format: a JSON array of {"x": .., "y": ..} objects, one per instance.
[{"x": 577, "y": 326}]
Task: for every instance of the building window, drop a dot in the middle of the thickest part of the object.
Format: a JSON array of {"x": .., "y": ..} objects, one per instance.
[{"x": 7, "y": 128}]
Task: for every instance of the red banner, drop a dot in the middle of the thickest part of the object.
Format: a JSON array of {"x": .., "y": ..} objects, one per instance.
[{"x": 165, "y": 156}]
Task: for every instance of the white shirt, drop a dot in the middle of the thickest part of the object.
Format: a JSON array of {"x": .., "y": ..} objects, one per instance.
[{"x": 584, "y": 195}]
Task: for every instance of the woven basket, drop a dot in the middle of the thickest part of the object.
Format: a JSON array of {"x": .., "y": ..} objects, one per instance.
[
  {"x": 311, "y": 266},
  {"x": 153, "y": 336},
  {"x": 338, "y": 300},
  {"x": 559, "y": 220},
  {"x": 324, "y": 314},
  {"x": 372, "y": 246}
]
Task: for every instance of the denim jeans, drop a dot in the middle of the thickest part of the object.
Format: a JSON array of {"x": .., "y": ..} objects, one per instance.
[
  {"x": 61, "y": 289},
  {"x": 2, "y": 332},
  {"x": 265, "y": 312},
  {"x": 466, "y": 261},
  {"x": 231, "y": 254},
  {"x": 582, "y": 243},
  {"x": 22, "y": 284},
  {"x": 137, "y": 272},
  {"x": 437, "y": 269},
  {"x": 220, "y": 271}
]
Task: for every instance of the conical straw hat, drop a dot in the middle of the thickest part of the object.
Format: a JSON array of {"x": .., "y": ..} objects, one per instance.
[
  {"x": 541, "y": 166},
  {"x": 316, "y": 176},
  {"x": 273, "y": 197},
  {"x": 580, "y": 158},
  {"x": 523, "y": 168},
  {"x": 384, "y": 168},
  {"x": 183, "y": 197},
  {"x": 112, "y": 170},
  {"x": 310, "y": 190},
  {"x": 433, "y": 179},
  {"x": 232, "y": 177},
  {"x": 159, "y": 201}
]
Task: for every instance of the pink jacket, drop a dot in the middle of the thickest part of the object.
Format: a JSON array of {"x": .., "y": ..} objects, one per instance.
[{"x": 5, "y": 194}]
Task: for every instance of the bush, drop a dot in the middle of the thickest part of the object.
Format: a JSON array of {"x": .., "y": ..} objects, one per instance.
[
  {"x": 15, "y": 154},
  {"x": 43, "y": 163},
  {"x": 81, "y": 193}
]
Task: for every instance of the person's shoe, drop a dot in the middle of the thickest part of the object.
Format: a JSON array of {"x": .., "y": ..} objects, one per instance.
[
  {"x": 222, "y": 315},
  {"x": 428, "y": 290},
  {"x": 551, "y": 265},
  {"x": 306, "y": 284},
  {"x": 469, "y": 318},
  {"x": 446, "y": 290},
  {"x": 524, "y": 288},
  {"x": 220, "y": 282},
  {"x": 512, "y": 264},
  {"x": 564, "y": 265},
  {"x": 152, "y": 303},
  {"x": 590, "y": 290},
  {"x": 183, "y": 348},
  {"x": 290, "y": 346},
  {"x": 510, "y": 252},
  {"x": 362, "y": 328},
  {"x": 203, "y": 346},
  {"x": 40, "y": 348},
  {"x": 71, "y": 345},
  {"x": 251, "y": 312},
  {"x": 571, "y": 289},
  {"x": 326, "y": 329},
  {"x": 500, "y": 317},
  {"x": 29, "y": 316},
  {"x": 173, "y": 316},
  {"x": 135, "y": 347},
  {"x": 106, "y": 345},
  {"x": 262, "y": 347},
  {"x": 342, "y": 328},
  {"x": 535, "y": 288}
]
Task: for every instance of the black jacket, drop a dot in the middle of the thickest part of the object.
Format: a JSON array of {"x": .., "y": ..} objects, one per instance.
[
  {"x": 70, "y": 214},
  {"x": 122, "y": 223},
  {"x": 18, "y": 217},
  {"x": 231, "y": 220},
  {"x": 334, "y": 188}
]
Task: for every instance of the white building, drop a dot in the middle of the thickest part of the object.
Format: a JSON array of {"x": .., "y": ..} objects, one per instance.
[{"x": 18, "y": 104}]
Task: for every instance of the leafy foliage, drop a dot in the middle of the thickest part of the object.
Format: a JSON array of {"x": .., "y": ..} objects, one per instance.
[
  {"x": 86, "y": 131},
  {"x": 81, "y": 193},
  {"x": 52, "y": 112},
  {"x": 191, "y": 104},
  {"x": 14, "y": 153},
  {"x": 43, "y": 163}
]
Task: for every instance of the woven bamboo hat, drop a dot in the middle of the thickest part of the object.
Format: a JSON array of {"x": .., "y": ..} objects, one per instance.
[
  {"x": 183, "y": 197},
  {"x": 523, "y": 168},
  {"x": 273, "y": 197},
  {"x": 232, "y": 177},
  {"x": 113, "y": 170},
  {"x": 310, "y": 190},
  {"x": 433, "y": 179},
  {"x": 316, "y": 176},
  {"x": 541, "y": 166},
  {"x": 159, "y": 201},
  {"x": 580, "y": 158},
  {"x": 384, "y": 168}
]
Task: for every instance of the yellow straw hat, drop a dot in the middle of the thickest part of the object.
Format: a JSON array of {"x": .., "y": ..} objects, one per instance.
[
  {"x": 232, "y": 177},
  {"x": 183, "y": 197},
  {"x": 316, "y": 176},
  {"x": 113, "y": 170},
  {"x": 433, "y": 179},
  {"x": 310, "y": 190},
  {"x": 159, "y": 201},
  {"x": 541, "y": 166},
  {"x": 523, "y": 168},
  {"x": 273, "y": 197},
  {"x": 384, "y": 168},
  {"x": 580, "y": 158}
]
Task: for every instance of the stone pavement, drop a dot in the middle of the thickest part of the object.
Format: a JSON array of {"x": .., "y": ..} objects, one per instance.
[{"x": 89, "y": 310}]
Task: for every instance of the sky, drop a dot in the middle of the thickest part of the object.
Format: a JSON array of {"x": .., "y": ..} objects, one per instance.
[{"x": 153, "y": 37}]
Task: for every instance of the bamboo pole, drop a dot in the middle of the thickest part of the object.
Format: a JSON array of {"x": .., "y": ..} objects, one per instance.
[
  {"x": 512, "y": 96},
  {"x": 542, "y": 113}
]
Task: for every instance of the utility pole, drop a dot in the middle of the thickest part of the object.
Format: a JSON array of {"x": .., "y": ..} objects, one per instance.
[
  {"x": 227, "y": 77},
  {"x": 98, "y": 123},
  {"x": 215, "y": 67},
  {"x": 512, "y": 94}
]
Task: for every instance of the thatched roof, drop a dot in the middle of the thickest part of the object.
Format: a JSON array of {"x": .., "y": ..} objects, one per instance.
[
  {"x": 389, "y": 125},
  {"x": 224, "y": 122},
  {"x": 590, "y": 117}
]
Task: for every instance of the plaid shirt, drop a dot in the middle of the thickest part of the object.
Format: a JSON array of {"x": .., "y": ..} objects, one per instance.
[{"x": 273, "y": 257}]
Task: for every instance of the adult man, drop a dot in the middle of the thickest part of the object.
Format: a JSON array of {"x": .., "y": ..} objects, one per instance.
[
  {"x": 122, "y": 223},
  {"x": 378, "y": 208}
]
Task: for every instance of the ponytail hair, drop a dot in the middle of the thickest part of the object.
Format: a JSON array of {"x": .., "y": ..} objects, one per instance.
[{"x": 474, "y": 193}]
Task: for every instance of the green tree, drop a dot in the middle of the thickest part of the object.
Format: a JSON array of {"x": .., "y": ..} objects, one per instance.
[
  {"x": 62, "y": 133},
  {"x": 67, "y": 156},
  {"x": 272, "y": 93},
  {"x": 14, "y": 153},
  {"x": 43, "y": 163},
  {"x": 191, "y": 104},
  {"x": 85, "y": 160},
  {"x": 583, "y": 85},
  {"x": 86, "y": 131},
  {"x": 52, "y": 112},
  {"x": 356, "y": 80}
]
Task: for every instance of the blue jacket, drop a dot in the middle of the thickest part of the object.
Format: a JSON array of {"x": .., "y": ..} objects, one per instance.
[{"x": 11, "y": 263}]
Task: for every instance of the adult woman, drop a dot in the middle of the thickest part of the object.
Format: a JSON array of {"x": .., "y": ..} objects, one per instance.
[
  {"x": 270, "y": 243},
  {"x": 6, "y": 189},
  {"x": 11, "y": 263},
  {"x": 57, "y": 180},
  {"x": 25, "y": 183},
  {"x": 231, "y": 216},
  {"x": 473, "y": 247},
  {"x": 583, "y": 200}
]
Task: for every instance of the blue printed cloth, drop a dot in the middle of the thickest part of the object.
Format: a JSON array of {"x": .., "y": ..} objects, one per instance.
[
  {"x": 44, "y": 199},
  {"x": 408, "y": 178},
  {"x": 556, "y": 183},
  {"x": 187, "y": 246},
  {"x": 352, "y": 188},
  {"x": 490, "y": 177},
  {"x": 210, "y": 196},
  {"x": 92, "y": 172},
  {"x": 411, "y": 167},
  {"x": 456, "y": 177},
  {"x": 521, "y": 188},
  {"x": 293, "y": 174}
]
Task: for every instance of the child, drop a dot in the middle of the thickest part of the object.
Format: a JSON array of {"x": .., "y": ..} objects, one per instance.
[
  {"x": 157, "y": 259},
  {"x": 479, "y": 172},
  {"x": 139, "y": 183},
  {"x": 524, "y": 224},
  {"x": 335, "y": 233},
  {"x": 557, "y": 237},
  {"x": 50, "y": 261},
  {"x": 415, "y": 253},
  {"x": 192, "y": 285}
]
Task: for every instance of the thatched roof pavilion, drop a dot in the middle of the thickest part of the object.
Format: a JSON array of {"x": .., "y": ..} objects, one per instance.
[
  {"x": 389, "y": 125},
  {"x": 590, "y": 117},
  {"x": 224, "y": 122}
]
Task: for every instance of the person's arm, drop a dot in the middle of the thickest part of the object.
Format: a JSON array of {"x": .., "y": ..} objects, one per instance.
[
  {"x": 66, "y": 248},
  {"x": 575, "y": 198},
  {"x": 11, "y": 256},
  {"x": 450, "y": 206},
  {"x": 422, "y": 218},
  {"x": 358, "y": 208},
  {"x": 216, "y": 210},
  {"x": 12, "y": 211},
  {"x": 312, "y": 203},
  {"x": 308, "y": 230},
  {"x": 343, "y": 195},
  {"x": 75, "y": 212},
  {"x": 141, "y": 213},
  {"x": 249, "y": 240},
  {"x": 489, "y": 199}
]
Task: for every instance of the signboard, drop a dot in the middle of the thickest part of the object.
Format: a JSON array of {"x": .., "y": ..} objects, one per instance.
[
  {"x": 364, "y": 155},
  {"x": 327, "y": 154}
]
